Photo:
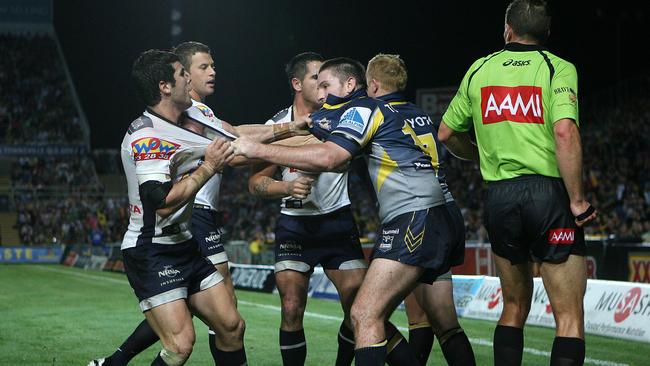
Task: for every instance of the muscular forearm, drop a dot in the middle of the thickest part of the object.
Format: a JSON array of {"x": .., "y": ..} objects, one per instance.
[
  {"x": 267, "y": 187},
  {"x": 462, "y": 147},
  {"x": 267, "y": 133},
  {"x": 568, "y": 150},
  {"x": 184, "y": 191},
  {"x": 309, "y": 158}
]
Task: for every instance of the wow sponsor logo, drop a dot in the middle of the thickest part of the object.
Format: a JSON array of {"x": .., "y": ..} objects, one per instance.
[
  {"x": 522, "y": 104},
  {"x": 149, "y": 148},
  {"x": 205, "y": 110}
]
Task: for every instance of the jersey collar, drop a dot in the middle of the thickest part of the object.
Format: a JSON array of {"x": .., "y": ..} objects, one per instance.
[
  {"x": 520, "y": 47},
  {"x": 151, "y": 112},
  {"x": 333, "y": 101},
  {"x": 392, "y": 97}
]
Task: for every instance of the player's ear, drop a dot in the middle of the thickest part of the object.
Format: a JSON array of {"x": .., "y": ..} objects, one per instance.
[
  {"x": 296, "y": 84},
  {"x": 164, "y": 87}
]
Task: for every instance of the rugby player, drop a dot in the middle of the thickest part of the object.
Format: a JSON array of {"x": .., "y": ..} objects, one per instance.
[
  {"x": 523, "y": 104},
  {"x": 169, "y": 276},
  {"x": 314, "y": 227},
  {"x": 419, "y": 232},
  {"x": 429, "y": 306},
  {"x": 207, "y": 225}
]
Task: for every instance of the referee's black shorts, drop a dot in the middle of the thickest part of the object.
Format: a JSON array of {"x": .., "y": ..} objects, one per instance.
[{"x": 528, "y": 219}]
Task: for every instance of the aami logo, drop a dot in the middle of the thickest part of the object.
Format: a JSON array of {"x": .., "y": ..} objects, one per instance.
[
  {"x": 521, "y": 104},
  {"x": 627, "y": 304},
  {"x": 561, "y": 236},
  {"x": 153, "y": 148}
]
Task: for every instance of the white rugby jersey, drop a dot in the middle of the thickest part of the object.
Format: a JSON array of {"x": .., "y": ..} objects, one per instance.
[
  {"x": 156, "y": 149},
  {"x": 329, "y": 192},
  {"x": 208, "y": 195}
]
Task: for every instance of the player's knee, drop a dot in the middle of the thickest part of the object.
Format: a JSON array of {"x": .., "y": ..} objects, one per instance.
[
  {"x": 361, "y": 315},
  {"x": 174, "y": 358},
  {"x": 292, "y": 310}
]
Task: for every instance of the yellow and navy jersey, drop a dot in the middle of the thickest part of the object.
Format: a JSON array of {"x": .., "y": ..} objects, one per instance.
[
  {"x": 401, "y": 172},
  {"x": 426, "y": 132}
]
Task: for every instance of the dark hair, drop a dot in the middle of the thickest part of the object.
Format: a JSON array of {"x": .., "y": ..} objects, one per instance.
[
  {"x": 345, "y": 67},
  {"x": 149, "y": 69},
  {"x": 186, "y": 50},
  {"x": 297, "y": 66},
  {"x": 529, "y": 19}
]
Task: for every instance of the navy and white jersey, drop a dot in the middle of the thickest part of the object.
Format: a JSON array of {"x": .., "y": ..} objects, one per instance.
[
  {"x": 427, "y": 133},
  {"x": 329, "y": 192},
  {"x": 402, "y": 174},
  {"x": 208, "y": 195},
  {"x": 155, "y": 149}
]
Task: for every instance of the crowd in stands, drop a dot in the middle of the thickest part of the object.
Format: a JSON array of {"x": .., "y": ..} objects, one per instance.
[{"x": 36, "y": 103}]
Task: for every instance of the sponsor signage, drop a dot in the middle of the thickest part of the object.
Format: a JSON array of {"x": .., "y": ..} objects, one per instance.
[
  {"x": 465, "y": 288},
  {"x": 521, "y": 104},
  {"x": 639, "y": 266},
  {"x": 43, "y": 150},
  {"x": 24, "y": 254},
  {"x": 252, "y": 277}
]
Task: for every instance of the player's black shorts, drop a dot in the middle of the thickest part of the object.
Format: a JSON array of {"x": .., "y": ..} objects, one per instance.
[
  {"x": 160, "y": 273},
  {"x": 528, "y": 219},
  {"x": 302, "y": 242},
  {"x": 207, "y": 229},
  {"x": 433, "y": 239}
]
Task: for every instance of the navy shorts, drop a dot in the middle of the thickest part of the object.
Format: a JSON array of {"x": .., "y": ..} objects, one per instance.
[
  {"x": 162, "y": 273},
  {"x": 433, "y": 239},
  {"x": 207, "y": 229},
  {"x": 302, "y": 242},
  {"x": 528, "y": 218}
]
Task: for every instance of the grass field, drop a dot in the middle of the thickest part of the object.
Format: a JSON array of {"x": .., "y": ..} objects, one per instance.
[{"x": 54, "y": 315}]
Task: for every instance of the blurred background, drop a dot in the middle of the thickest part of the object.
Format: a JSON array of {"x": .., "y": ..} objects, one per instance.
[{"x": 66, "y": 99}]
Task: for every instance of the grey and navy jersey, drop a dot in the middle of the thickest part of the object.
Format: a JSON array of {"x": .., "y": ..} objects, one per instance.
[
  {"x": 329, "y": 192},
  {"x": 427, "y": 133},
  {"x": 155, "y": 149},
  {"x": 401, "y": 172},
  {"x": 208, "y": 195}
]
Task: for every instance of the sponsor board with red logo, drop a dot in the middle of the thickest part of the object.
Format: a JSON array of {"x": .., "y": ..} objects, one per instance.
[
  {"x": 639, "y": 266},
  {"x": 522, "y": 104},
  {"x": 612, "y": 308}
]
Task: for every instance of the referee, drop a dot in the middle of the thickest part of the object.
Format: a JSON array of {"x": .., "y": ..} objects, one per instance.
[{"x": 522, "y": 101}]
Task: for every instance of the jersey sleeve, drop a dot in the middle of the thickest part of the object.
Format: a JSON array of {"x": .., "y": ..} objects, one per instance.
[
  {"x": 564, "y": 95},
  {"x": 458, "y": 116},
  {"x": 355, "y": 128},
  {"x": 152, "y": 156}
]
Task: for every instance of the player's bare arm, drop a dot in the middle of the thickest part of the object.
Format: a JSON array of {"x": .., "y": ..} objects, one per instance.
[
  {"x": 568, "y": 149},
  {"x": 262, "y": 184},
  {"x": 458, "y": 143},
  {"x": 269, "y": 133},
  {"x": 217, "y": 155},
  {"x": 310, "y": 158}
]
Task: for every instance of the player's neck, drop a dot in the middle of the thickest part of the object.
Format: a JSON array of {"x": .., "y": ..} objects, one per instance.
[
  {"x": 168, "y": 110},
  {"x": 301, "y": 107},
  {"x": 196, "y": 96}
]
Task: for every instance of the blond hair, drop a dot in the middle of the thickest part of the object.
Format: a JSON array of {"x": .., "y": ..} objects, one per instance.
[{"x": 389, "y": 70}]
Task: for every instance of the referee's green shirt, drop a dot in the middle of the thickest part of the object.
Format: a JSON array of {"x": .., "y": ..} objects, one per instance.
[{"x": 514, "y": 97}]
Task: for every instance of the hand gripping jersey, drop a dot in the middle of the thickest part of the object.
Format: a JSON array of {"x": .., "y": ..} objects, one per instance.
[
  {"x": 401, "y": 173},
  {"x": 154, "y": 149},
  {"x": 427, "y": 135},
  {"x": 329, "y": 192},
  {"x": 514, "y": 97},
  {"x": 208, "y": 195}
]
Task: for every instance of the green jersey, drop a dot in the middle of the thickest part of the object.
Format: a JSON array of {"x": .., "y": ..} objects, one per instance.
[{"x": 514, "y": 97}]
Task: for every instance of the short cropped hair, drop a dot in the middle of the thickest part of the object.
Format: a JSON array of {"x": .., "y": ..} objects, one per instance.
[
  {"x": 345, "y": 67},
  {"x": 186, "y": 50},
  {"x": 390, "y": 70},
  {"x": 149, "y": 69},
  {"x": 297, "y": 66},
  {"x": 529, "y": 19}
]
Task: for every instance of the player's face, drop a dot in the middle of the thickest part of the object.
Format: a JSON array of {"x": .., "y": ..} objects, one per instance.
[
  {"x": 180, "y": 92},
  {"x": 310, "y": 83},
  {"x": 203, "y": 74},
  {"x": 328, "y": 83}
]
